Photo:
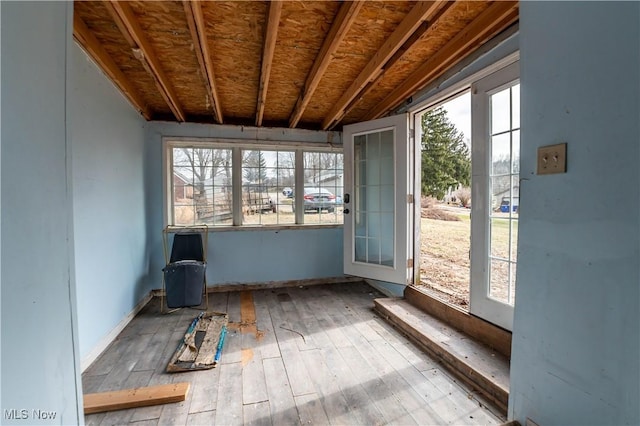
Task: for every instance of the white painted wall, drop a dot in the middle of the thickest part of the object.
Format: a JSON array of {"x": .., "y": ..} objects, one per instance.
[
  {"x": 39, "y": 331},
  {"x": 253, "y": 256},
  {"x": 575, "y": 356},
  {"x": 107, "y": 139}
]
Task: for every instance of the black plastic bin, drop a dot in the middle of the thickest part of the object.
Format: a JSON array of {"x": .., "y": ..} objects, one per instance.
[
  {"x": 184, "y": 281},
  {"x": 184, "y": 276}
]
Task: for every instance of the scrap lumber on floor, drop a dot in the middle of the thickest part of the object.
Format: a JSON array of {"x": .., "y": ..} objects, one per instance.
[
  {"x": 133, "y": 398},
  {"x": 201, "y": 345}
]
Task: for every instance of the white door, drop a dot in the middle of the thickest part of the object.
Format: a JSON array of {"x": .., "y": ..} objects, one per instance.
[
  {"x": 495, "y": 195},
  {"x": 377, "y": 195}
]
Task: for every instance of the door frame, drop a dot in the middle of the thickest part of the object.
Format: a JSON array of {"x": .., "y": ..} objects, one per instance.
[{"x": 447, "y": 92}]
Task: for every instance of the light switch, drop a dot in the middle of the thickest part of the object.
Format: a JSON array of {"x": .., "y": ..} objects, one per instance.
[{"x": 552, "y": 159}]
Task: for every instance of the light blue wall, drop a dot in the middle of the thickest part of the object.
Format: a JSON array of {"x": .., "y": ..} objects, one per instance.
[
  {"x": 575, "y": 356},
  {"x": 107, "y": 139},
  {"x": 253, "y": 256},
  {"x": 39, "y": 333}
]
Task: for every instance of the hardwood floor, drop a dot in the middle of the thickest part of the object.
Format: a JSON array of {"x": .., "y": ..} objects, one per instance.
[{"x": 296, "y": 355}]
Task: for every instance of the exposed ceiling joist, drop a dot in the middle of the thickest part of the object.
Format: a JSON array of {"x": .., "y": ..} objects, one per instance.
[
  {"x": 195, "y": 20},
  {"x": 422, "y": 11},
  {"x": 271, "y": 34},
  {"x": 142, "y": 50},
  {"x": 498, "y": 15},
  {"x": 423, "y": 28},
  {"x": 93, "y": 47},
  {"x": 343, "y": 21}
]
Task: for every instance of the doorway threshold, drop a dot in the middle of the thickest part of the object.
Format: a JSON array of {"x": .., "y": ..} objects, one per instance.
[{"x": 481, "y": 366}]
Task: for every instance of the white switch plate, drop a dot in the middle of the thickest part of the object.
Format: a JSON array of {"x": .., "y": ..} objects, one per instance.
[{"x": 552, "y": 159}]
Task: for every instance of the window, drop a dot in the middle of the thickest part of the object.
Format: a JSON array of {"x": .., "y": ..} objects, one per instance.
[
  {"x": 268, "y": 183},
  {"x": 323, "y": 187},
  {"x": 232, "y": 184},
  {"x": 202, "y": 186}
]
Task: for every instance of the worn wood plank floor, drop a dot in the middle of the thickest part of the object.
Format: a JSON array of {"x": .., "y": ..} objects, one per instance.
[{"x": 298, "y": 355}]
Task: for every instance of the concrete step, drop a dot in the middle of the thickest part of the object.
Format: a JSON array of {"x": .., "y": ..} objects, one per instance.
[{"x": 474, "y": 363}]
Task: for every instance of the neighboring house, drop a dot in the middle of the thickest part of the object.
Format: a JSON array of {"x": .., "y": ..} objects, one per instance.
[
  {"x": 498, "y": 197},
  {"x": 330, "y": 180},
  {"x": 182, "y": 187}
]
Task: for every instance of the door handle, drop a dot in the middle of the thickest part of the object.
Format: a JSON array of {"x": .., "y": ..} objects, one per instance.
[
  {"x": 346, "y": 198},
  {"x": 345, "y": 211}
]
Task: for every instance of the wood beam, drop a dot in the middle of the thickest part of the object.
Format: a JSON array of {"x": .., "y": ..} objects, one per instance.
[
  {"x": 137, "y": 397},
  {"x": 125, "y": 20},
  {"x": 343, "y": 21},
  {"x": 422, "y": 11},
  {"x": 195, "y": 20},
  {"x": 495, "y": 18},
  {"x": 271, "y": 34},
  {"x": 92, "y": 46},
  {"x": 422, "y": 29}
]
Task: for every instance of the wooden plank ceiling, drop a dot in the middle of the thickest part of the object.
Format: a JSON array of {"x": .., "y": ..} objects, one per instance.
[{"x": 303, "y": 64}]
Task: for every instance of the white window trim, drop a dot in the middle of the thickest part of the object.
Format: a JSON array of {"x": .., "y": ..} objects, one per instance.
[{"x": 169, "y": 142}]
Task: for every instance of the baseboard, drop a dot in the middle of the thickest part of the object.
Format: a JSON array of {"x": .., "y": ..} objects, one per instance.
[
  {"x": 106, "y": 340},
  {"x": 218, "y": 288}
]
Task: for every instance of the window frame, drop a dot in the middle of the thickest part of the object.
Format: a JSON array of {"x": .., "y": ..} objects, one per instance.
[{"x": 237, "y": 146}]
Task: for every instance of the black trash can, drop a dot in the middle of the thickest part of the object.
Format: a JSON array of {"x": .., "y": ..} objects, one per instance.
[{"x": 184, "y": 283}]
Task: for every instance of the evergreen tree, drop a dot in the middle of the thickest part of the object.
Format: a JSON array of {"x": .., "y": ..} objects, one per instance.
[
  {"x": 255, "y": 167},
  {"x": 445, "y": 157}
]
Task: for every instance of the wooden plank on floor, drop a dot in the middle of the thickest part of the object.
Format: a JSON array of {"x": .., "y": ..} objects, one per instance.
[
  {"x": 267, "y": 343},
  {"x": 382, "y": 396},
  {"x": 177, "y": 414},
  {"x": 201, "y": 418},
  {"x": 117, "y": 377},
  {"x": 297, "y": 315},
  {"x": 372, "y": 368},
  {"x": 257, "y": 414},
  {"x": 91, "y": 384},
  {"x": 360, "y": 403},
  {"x": 466, "y": 403},
  {"x": 204, "y": 392},
  {"x": 310, "y": 410},
  {"x": 414, "y": 380},
  {"x": 326, "y": 383},
  {"x": 137, "y": 379},
  {"x": 138, "y": 397},
  {"x": 291, "y": 355},
  {"x": 281, "y": 402},
  {"x": 153, "y": 412},
  {"x": 150, "y": 357},
  {"x": 324, "y": 312},
  {"x": 229, "y": 403},
  {"x": 254, "y": 386},
  {"x": 218, "y": 302},
  {"x": 407, "y": 397}
]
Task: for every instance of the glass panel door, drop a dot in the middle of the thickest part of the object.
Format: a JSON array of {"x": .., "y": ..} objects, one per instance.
[
  {"x": 376, "y": 217},
  {"x": 495, "y": 195},
  {"x": 373, "y": 198}
]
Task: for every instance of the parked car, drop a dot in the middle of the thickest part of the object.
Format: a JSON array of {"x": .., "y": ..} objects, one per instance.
[{"x": 318, "y": 199}]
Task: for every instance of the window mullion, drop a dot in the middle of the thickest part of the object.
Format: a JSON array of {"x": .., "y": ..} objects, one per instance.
[
  {"x": 236, "y": 178},
  {"x": 299, "y": 188}
]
